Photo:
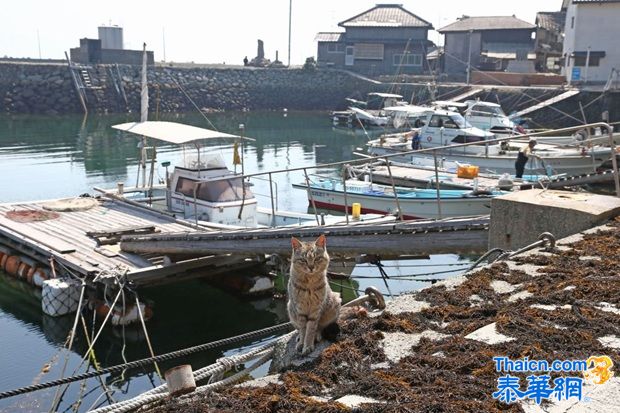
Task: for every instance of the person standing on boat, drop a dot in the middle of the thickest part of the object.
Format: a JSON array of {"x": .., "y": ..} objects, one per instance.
[
  {"x": 523, "y": 157},
  {"x": 415, "y": 140}
]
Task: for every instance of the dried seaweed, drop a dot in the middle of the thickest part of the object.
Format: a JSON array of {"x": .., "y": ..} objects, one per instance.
[{"x": 453, "y": 374}]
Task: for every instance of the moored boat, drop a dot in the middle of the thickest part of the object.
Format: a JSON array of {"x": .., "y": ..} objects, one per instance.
[{"x": 381, "y": 199}]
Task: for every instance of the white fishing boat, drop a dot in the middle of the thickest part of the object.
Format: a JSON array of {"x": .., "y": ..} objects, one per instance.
[
  {"x": 203, "y": 190},
  {"x": 367, "y": 114},
  {"x": 487, "y": 116},
  {"x": 442, "y": 129},
  {"x": 380, "y": 199}
]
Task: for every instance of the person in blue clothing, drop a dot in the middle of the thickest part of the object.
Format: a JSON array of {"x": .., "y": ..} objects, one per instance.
[{"x": 415, "y": 141}]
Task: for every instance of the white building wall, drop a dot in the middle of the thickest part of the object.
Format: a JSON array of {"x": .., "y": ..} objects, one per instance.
[{"x": 596, "y": 26}]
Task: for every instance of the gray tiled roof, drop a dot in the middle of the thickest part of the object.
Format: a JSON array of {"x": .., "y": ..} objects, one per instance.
[
  {"x": 328, "y": 37},
  {"x": 551, "y": 20},
  {"x": 467, "y": 23},
  {"x": 386, "y": 15}
]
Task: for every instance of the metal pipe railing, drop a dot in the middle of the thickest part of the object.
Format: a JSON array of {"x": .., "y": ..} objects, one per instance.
[{"x": 450, "y": 147}]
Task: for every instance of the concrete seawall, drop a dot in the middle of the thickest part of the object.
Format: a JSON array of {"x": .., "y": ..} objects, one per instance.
[{"x": 47, "y": 88}]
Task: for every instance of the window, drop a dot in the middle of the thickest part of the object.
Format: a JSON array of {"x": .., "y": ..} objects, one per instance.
[
  {"x": 487, "y": 111},
  {"x": 223, "y": 191},
  {"x": 185, "y": 186},
  {"x": 580, "y": 61},
  {"x": 214, "y": 191},
  {"x": 407, "y": 59},
  {"x": 369, "y": 51},
  {"x": 447, "y": 122},
  {"x": 335, "y": 47},
  {"x": 572, "y": 22}
]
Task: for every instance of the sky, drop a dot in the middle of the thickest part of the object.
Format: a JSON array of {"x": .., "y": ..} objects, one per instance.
[{"x": 215, "y": 31}]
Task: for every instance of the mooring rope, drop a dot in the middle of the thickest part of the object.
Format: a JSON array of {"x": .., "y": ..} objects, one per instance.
[{"x": 138, "y": 363}]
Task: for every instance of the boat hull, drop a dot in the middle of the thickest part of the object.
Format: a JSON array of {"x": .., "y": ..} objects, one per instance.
[
  {"x": 411, "y": 208},
  {"x": 571, "y": 165}
]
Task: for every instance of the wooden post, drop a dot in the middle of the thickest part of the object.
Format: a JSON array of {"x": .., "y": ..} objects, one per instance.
[
  {"x": 180, "y": 380},
  {"x": 400, "y": 211}
]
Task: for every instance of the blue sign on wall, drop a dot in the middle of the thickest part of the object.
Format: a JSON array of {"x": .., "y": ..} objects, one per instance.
[{"x": 576, "y": 74}]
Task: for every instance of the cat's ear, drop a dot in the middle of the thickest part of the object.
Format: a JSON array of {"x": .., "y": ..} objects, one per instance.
[
  {"x": 321, "y": 241},
  {"x": 295, "y": 243}
]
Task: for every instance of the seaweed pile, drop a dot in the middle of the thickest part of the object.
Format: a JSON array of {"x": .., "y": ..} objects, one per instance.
[{"x": 559, "y": 313}]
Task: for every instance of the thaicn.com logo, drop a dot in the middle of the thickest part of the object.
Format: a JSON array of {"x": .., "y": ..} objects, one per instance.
[{"x": 540, "y": 386}]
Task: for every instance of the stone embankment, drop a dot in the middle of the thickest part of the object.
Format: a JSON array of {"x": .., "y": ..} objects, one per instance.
[
  {"x": 48, "y": 88},
  {"x": 433, "y": 350}
]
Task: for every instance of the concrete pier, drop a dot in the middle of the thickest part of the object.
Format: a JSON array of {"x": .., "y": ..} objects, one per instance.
[{"x": 519, "y": 217}]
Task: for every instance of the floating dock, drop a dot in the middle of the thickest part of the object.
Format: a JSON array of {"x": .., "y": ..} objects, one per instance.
[{"x": 85, "y": 243}]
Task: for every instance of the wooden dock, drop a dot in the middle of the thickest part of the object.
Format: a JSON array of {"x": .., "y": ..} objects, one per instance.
[
  {"x": 86, "y": 243},
  {"x": 463, "y": 235}
]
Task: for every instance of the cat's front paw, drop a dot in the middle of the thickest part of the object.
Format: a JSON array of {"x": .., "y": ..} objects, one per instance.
[
  {"x": 300, "y": 344},
  {"x": 307, "y": 350}
]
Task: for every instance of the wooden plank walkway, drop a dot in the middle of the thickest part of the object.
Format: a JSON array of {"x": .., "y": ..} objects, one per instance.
[
  {"x": 546, "y": 103},
  {"x": 69, "y": 241},
  {"x": 393, "y": 239}
]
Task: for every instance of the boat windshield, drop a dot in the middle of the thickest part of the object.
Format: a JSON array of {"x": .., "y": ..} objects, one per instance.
[
  {"x": 481, "y": 110},
  {"x": 214, "y": 191},
  {"x": 460, "y": 121}
]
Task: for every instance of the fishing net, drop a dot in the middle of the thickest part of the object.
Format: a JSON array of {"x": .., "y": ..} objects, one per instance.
[
  {"x": 31, "y": 215},
  {"x": 71, "y": 204}
]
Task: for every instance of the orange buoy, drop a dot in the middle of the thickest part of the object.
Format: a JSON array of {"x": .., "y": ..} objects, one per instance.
[
  {"x": 23, "y": 270},
  {"x": 3, "y": 260},
  {"x": 12, "y": 265}
]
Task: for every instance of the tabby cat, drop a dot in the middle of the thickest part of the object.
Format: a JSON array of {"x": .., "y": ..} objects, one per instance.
[{"x": 312, "y": 306}]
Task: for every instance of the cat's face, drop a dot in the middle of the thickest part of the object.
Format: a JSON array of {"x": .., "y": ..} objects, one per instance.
[{"x": 310, "y": 257}]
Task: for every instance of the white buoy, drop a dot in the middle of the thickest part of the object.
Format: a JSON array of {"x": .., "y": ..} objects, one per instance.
[
  {"x": 60, "y": 296},
  {"x": 180, "y": 380}
]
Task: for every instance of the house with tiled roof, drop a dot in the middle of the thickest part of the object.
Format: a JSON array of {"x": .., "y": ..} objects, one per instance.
[
  {"x": 386, "y": 39},
  {"x": 487, "y": 43},
  {"x": 591, "y": 53}
]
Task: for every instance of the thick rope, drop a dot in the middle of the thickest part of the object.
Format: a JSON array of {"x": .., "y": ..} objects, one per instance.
[
  {"x": 221, "y": 366},
  {"x": 150, "y": 360}
]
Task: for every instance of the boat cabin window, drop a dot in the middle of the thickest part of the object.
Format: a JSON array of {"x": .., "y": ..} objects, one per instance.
[
  {"x": 467, "y": 139},
  {"x": 214, "y": 191},
  {"x": 185, "y": 186},
  {"x": 460, "y": 122},
  {"x": 487, "y": 111},
  {"x": 438, "y": 121}
]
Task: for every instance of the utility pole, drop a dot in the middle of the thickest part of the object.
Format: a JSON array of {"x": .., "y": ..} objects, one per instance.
[
  {"x": 163, "y": 35},
  {"x": 39, "y": 43},
  {"x": 290, "y": 15}
]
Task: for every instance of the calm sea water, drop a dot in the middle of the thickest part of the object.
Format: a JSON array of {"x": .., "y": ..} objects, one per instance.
[{"x": 54, "y": 157}]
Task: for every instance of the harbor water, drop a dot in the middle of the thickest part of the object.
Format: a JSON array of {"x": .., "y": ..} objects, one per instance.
[{"x": 59, "y": 157}]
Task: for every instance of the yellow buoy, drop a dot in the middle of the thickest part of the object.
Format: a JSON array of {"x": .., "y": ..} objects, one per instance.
[{"x": 356, "y": 210}]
